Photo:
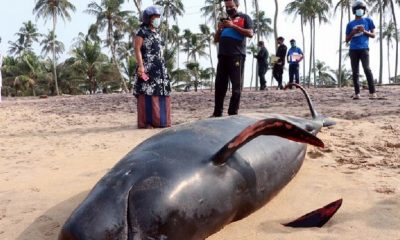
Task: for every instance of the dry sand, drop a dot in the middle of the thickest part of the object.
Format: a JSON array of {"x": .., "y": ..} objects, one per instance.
[{"x": 53, "y": 151}]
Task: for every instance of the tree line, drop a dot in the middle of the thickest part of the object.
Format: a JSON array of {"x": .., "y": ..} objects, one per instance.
[{"x": 88, "y": 69}]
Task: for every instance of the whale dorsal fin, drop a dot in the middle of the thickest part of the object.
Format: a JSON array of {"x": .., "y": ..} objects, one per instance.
[{"x": 274, "y": 126}]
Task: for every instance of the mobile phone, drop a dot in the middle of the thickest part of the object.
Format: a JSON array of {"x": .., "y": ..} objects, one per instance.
[
  {"x": 144, "y": 77},
  {"x": 223, "y": 19}
]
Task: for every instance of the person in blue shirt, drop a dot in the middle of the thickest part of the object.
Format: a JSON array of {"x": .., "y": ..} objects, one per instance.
[
  {"x": 294, "y": 56},
  {"x": 358, "y": 33}
]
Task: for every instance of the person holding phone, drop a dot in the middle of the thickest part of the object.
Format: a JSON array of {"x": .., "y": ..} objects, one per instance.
[
  {"x": 152, "y": 86},
  {"x": 231, "y": 35},
  {"x": 358, "y": 32}
]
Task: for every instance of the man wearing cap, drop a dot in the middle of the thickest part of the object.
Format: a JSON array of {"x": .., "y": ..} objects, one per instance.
[
  {"x": 294, "y": 56},
  {"x": 279, "y": 64},
  {"x": 358, "y": 33},
  {"x": 231, "y": 36},
  {"x": 262, "y": 62}
]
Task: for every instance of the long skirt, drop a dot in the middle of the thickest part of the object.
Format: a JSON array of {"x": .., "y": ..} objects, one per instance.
[{"x": 154, "y": 111}]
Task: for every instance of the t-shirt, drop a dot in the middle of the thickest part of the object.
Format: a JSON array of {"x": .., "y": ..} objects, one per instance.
[
  {"x": 294, "y": 53},
  {"x": 360, "y": 40},
  {"x": 232, "y": 42}
]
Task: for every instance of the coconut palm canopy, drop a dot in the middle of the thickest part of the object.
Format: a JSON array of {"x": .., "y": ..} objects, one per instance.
[{"x": 55, "y": 49}]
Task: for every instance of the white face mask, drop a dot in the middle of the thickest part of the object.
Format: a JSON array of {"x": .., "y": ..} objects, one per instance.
[
  {"x": 360, "y": 12},
  {"x": 156, "y": 22}
]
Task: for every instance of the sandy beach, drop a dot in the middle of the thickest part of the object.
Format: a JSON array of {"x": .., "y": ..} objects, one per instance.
[{"x": 53, "y": 151}]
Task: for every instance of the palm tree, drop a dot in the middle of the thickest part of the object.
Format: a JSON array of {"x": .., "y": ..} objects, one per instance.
[
  {"x": 27, "y": 35},
  {"x": 276, "y": 24},
  {"x": 264, "y": 24},
  {"x": 389, "y": 33},
  {"x": 343, "y": 4},
  {"x": 131, "y": 27},
  {"x": 53, "y": 9},
  {"x": 48, "y": 47},
  {"x": 138, "y": 5},
  {"x": 198, "y": 45},
  {"x": 345, "y": 76},
  {"x": 325, "y": 77},
  {"x": 172, "y": 8},
  {"x": 210, "y": 10},
  {"x": 88, "y": 60},
  {"x": 379, "y": 7},
  {"x": 187, "y": 43},
  {"x": 110, "y": 17},
  {"x": 206, "y": 33}
]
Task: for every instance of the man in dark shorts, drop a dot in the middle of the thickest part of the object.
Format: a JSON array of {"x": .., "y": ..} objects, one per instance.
[
  {"x": 279, "y": 65},
  {"x": 231, "y": 36}
]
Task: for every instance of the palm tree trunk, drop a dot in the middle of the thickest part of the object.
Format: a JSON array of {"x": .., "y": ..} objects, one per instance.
[
  {"x": 380, "y": 42},
  {"x": 340, "y": 47},
  {"x": 311, "y": 54},
  {"x": 314, "y": 40},
  {"x": 349, "y": 10},
  {"x": 252, "y": 73},
  {"x": 304, "y": 48},
  {"x": 54, "y": 53},
  {"x": 396, "y": 34},
  {"x": 258, "y": 36},
  {"x": 138, "y": 4},
  {"x": 388, "y": 57},
  {"x": 167, "y": 30},
  {"x": 211, "y": 62},
  {"x": 114, "y": 58},
  {"x": 276, "y": 24}
]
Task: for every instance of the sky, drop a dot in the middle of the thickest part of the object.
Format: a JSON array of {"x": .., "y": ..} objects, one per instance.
[{"x": 16, "y": 12}]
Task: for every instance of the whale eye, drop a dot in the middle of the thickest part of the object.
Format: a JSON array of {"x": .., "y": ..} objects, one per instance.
[{"x": 309, "y": 128}]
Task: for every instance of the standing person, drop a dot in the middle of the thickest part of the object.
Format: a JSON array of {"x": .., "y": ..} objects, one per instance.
[
  {"x": 262, "y": 62},
  {"x": 231, "y": 36},
  {"x": 1, "y": 80},
  {"x": 152, "y": 84},
  {"x": 358, "y": 33},
  {"x": 279, "y": 64},
  {"x": 294, "y": 56}
]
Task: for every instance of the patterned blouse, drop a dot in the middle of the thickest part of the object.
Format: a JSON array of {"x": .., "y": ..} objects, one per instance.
[{"x": 154, "y": 65}]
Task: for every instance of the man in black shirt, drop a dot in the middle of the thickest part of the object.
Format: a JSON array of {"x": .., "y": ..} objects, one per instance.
[
  {"x": 262, "y": 60},
  {"x": 277, "y": 71},
  {"x": 231, "y": 36}
]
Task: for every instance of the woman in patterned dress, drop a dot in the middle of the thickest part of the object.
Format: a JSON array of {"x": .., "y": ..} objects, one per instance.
[{"x": 152, "y": 85}]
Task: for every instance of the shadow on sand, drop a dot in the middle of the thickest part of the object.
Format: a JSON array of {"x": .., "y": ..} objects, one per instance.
[{"x": 48, "y": 225}]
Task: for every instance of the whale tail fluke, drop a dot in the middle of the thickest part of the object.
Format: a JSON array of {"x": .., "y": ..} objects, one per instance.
[{"x": 315, "y": 115}]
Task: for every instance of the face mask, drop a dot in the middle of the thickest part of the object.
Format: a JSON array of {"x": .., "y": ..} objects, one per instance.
[
  {"x": 360, "y": 12},
  {"x": 156, "y": 22},
  {"x": 231, "y": 11},
  {"x": 293, "y": 44}
]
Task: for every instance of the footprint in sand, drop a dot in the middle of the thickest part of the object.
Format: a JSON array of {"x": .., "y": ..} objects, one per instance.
[{"x": 385, "y": 190}]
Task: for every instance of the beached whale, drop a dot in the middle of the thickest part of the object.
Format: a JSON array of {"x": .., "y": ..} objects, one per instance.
[{"x": 189, "y": 181}]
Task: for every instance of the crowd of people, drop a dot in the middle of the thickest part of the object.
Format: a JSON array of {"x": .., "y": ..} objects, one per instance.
[{"x": 152, "y": 84}]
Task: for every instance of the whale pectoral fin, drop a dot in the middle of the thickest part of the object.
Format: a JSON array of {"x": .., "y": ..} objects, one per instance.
[
  {"x": 274, "y": 126},
  {"x": 316, "y": 218}
]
